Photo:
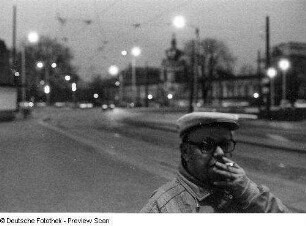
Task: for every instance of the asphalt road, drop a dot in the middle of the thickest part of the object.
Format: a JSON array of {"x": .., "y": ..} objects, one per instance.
[
  {"x": 87, "y": 160},
  {"x": 44, "y": 170}
]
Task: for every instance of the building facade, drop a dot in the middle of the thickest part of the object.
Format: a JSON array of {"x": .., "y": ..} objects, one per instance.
[{"x": 295, "y": 53}]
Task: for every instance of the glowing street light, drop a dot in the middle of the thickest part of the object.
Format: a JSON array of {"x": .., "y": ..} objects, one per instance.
[
  {"x": 73, "y": 87},
  {"x": 179, "y": 21},
  {"x": 271, "y": 73},
  {"x": 169, "y": 96},
  {"x": 47, "y": 89},
  {"x": 123, "y": 52},
  {"x": 113, "y": 70},
  {"x": 33, "y": 37},
  {"x": 53, "y": 65},
  {"x": 40, "y": 64},
  {"x": 150, "y": 96},
  {"x": 96, "y": 96},
  {"x": 136, "y": 51},
  {"x": 67, "y": 78},
  {"x": 255, "y": 95},
  {"x": 284, "y": 65}
]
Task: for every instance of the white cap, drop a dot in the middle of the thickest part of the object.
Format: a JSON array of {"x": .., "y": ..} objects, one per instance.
[{"x": 200, "y": 119}]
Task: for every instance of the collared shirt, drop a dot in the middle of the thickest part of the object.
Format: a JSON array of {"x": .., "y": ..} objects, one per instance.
[{"x": 185, "y": 194}]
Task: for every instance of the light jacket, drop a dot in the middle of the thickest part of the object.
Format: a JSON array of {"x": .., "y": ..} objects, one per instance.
[{"x": 185, "y": 194}]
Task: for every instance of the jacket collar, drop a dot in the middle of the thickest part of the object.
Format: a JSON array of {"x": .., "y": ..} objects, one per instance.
[{"x": 197, "y": 189}]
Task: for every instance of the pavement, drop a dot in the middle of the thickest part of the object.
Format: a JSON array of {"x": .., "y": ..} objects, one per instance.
[{"x": 165, "y": 119}]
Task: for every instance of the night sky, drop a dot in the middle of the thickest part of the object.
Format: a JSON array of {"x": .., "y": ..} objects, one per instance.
[{"x": 97, "y": 45}]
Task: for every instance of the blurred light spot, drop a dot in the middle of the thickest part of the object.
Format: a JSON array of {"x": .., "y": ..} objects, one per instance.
[
  {"x": 255, "y": 95},
  {"x": 179, "y": 21},
  {"x": 47, "y": 89},
  {"x": 281, "y": 165},
  {"x": 113, "y": 70},
  {"x": 73, "y": 87},
  {"x": 40, "y": 64},
  {"x": 67, "y": 77}
]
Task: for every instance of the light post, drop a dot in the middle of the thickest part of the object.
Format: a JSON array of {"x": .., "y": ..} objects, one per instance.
[
  {"x": 284, "y": 65},
  {"x": 136, "y": 51},
  {"x": 180, "y": 22},
  {"x": 47, "y": 88},
  {"x": 32, "y": 38},
  {"x": 271, "y": 73},
  {"x": 73, "y": 89},
  {"x": 67, "y": 78},
  {"x": 114, "y": 71}
]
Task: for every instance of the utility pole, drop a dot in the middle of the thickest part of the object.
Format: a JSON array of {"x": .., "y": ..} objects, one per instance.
[
  {"x": 14, "y": 63},
  {"x": 260, "y": 80},
  {"x": 147, "y": 86},
  {"x": 196, "y": 61},
  {"x": 268, "y": 103},
  {"x": 191, "y": 82}
]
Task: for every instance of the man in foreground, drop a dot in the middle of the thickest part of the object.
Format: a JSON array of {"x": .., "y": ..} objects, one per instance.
[{"x": 207, "y": 180}]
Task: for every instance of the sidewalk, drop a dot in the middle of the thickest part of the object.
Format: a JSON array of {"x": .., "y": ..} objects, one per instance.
[{"x": 166, "y": 120}]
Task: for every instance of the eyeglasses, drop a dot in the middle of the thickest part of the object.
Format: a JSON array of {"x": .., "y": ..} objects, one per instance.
[{"x": 209, "y": 145}]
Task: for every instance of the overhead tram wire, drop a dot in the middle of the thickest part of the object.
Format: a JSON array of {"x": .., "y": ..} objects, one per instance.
[
  {"x": 100, "y": 28},
  {"x": 139, "y": 25},
  {"x": 160, "y": 15}
]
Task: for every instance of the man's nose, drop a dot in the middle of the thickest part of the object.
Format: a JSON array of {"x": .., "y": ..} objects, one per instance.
[{"x": 219, "y": 151}]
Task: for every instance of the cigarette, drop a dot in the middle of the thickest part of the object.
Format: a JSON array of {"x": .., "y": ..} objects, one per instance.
[{"x": 229, "y": 164}]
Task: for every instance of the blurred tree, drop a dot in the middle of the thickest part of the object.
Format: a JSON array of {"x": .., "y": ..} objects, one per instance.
[
  {"x": 215, "y": 59},
  {"x": 48, "y": 51},
  {"x": 247, "y": 69}
]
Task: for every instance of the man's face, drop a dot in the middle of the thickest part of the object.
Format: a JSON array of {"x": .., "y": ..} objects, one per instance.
[{"x": 200, "y": 161}]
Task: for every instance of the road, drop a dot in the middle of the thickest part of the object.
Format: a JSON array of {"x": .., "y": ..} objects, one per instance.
[
  {"x": 44, "y": 170},
  {"x": 88, "y": 160}
]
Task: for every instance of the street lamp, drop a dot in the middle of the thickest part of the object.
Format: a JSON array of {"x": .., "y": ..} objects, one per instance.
[
  {"x": 113, "y": 70},
  {"x": 67, "y": 78},
  {"x": 284, "y": 65},
  {"x": 179, "y": 22},
  {"x": 41, "y": 65},
  {"x": 74, "y": 89},
  {"x": 136, "y": 51},
  {"x": 32, "y": 38},
  {"x": 271, "y": 73}
]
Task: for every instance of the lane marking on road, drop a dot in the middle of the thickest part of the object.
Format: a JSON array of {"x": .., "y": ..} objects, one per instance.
[{"x": 277, "y": 137}]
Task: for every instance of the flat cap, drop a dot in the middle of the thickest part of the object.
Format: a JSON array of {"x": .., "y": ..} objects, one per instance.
[{"x": 200, "y": 119}]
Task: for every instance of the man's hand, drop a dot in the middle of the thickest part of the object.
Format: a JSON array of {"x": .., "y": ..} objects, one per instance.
[{"x": 233, "y": 177}]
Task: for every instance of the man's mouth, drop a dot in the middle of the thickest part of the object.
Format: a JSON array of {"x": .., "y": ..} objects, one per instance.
[{"x": 213, "y": 161}]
